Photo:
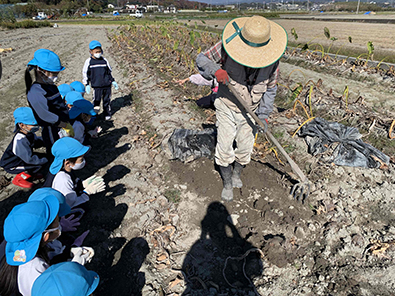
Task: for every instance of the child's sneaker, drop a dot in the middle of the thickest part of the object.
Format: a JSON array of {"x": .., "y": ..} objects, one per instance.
[
  {"x": 21, "y": 180},
  {"x": 108, "y": 117}
]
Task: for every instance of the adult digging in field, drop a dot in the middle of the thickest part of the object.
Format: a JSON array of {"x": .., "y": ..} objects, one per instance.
[{"x": 249, "y": 54}]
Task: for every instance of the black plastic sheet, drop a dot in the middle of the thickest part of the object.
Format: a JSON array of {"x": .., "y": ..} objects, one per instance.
[
  {"x": 350, "y": 151},
  {"x": 188, "y": 145}
]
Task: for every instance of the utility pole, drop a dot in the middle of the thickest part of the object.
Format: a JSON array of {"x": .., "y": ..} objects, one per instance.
[{"x": 358, "y": 6}]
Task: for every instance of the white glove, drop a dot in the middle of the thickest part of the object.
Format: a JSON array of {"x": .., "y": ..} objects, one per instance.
[
  {"x": 94, "y": 185},
  {"x": 82, "y": 255},
  {"x": 95, "y": 133}
]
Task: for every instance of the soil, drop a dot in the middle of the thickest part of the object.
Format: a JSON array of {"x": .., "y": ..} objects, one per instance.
[
  {"x": 382, "y": 35},
  {"x": 160, "y": 227}
]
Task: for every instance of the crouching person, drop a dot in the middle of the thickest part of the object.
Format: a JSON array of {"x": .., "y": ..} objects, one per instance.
[
  {"x": 248, "y": 54},
  {"x": 69, "y": 156},
  {"x": 19, "y": 157}
]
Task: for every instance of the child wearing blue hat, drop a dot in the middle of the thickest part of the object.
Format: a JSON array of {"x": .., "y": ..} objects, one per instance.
[
  {"x": 19, "y": 158},
  {"x": 67, "y": 224},
  {"x": 66, "y": 279},
  {"x": 64, "y": 89},
  {"x": 82, "y": 112},
  {"x": 97, "y": 73},
  {"x": 78, "y": 86},
  {"x": 27, "y": 231},
  {"x": 69, "y": 156},
  {"x": 71, "y": 97},
  {"x": 44, "y": 98}
]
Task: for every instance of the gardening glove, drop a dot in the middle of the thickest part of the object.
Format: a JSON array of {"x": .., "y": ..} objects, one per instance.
[
  {"x": 94, "y": 185},
  {"x": 80, "y": 240},
  {"x": 82, "y": 255},
  {"x": 69, "y": 130},
  {"x": 89, "y": 180},
  {"x": 265, "y": 123},
  {"x": 88, "y": 89},
  {"x": 70, "y": 223},
  {"x": 115, "y": 85},
  {"x": 222, "y": 76},
  {"x": 95, "y": 133}
]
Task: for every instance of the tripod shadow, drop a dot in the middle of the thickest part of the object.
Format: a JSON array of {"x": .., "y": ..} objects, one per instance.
[{"x": 208, "y": 261}]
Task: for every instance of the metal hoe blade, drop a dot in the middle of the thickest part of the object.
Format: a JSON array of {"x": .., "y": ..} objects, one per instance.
[{"x": 300, "y": 191}]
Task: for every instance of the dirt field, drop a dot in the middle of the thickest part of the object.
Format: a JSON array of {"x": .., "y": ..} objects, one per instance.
[
  {"x": 160, "y": 227},
  {"x": 382, "y": 35}
]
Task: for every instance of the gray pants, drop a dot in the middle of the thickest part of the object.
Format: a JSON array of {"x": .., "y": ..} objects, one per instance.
[{"x": 233, "y": 126}]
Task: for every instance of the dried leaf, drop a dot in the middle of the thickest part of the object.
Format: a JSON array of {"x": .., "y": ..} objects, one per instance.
[{"x": 174, "y": 283}]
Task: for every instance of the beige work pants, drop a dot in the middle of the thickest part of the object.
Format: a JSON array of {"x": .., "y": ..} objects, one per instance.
[{"x": 231, "y": 127}]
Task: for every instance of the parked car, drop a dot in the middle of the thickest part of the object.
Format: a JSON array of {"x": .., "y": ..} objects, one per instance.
[
  {"x": 137, "y": 14},
  {"x": 41, "y": 16}
]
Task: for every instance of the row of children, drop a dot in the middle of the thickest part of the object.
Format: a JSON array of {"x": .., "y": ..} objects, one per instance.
[
  {"x": 59, "y": 111},
  {"x": 35, "y": 258}
]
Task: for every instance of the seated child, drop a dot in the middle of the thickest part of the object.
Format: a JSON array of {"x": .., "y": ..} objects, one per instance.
[
  {"x": 78, "y": 86},
  {"x": 69, "y": 156},
  {"x": 81, "y": 113},
  {"x": 27, "y": 231},
  {"x": 19, "y": 158},
  {"x": 66, "y": 279},
  {"x": 71, "y": 97},
  {"x": 64, "y": 89}
]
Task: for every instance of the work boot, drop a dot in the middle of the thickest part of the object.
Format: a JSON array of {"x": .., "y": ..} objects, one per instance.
[
  {"x": 226, "y": 174},
  {"x": 21, "y": 180},
  {"x": 236, "y": 181}
]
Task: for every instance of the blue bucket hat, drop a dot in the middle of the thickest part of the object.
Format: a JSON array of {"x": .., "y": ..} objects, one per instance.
[
  {"x": 42, "y": 193},
  {"x": 94, "y": 44},
  {"x": 46, "y": 60},
  {"x": 78, "y": 86},
  {"x": 66, "y": 279},
  {"x": 73, "y": 96},
  {"x": 24, "y": 115},
  {"x": 81, "y": 106},
  {"x": 65, "y": 148},
  {"x": 24, "y": 227},
  {"x": 64, "y": 89}
]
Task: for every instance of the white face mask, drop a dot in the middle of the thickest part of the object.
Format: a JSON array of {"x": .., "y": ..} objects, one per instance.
[
  {"x": 78, "y": 166},
  {"x": 50, "y": 80},
  {"x": 97, "y": 55}
]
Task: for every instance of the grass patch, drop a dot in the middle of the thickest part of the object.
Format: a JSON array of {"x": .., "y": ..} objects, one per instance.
[
  {"x": 383, "y": 143},
  {"x": 173, "y": 195},
  {"x": 26, "y": 24},
  {"x": 348, "y": 51},
  {"x": 278, "y": 135}
]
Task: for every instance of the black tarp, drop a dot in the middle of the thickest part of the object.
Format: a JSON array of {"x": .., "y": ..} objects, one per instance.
[
  {"x": 187, "y": 145},
  {"x": 350, "y": 151}
]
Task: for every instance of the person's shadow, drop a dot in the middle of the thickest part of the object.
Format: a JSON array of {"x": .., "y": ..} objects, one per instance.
[
  {"x": 124, "y": 278},
  {"x": 210, "y": 262}
]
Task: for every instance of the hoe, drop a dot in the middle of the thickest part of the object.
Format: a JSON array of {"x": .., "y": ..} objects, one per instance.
[{"x": 301, "y": 190}]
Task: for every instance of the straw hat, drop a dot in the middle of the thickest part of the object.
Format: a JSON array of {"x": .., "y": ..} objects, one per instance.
[{"x": 254, "y": 41}]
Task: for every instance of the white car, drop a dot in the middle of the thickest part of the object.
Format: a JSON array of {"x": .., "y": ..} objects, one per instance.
[{"x": 137, "y": 14}]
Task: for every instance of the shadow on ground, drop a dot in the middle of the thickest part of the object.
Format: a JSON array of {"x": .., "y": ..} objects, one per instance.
[{"x": 213, "y": 258}]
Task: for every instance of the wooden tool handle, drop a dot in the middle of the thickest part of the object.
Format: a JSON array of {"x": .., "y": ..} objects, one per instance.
[{"x": 293, "y": 165}]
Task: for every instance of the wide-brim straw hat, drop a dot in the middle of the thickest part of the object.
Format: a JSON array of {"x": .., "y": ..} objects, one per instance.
[{"x": 255, "y": 41}]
